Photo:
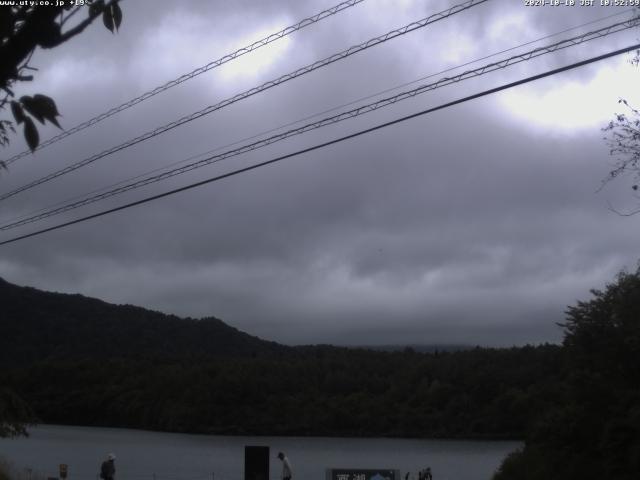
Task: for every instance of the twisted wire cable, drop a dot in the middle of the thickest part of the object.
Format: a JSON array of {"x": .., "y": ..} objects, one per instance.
[
  {"x": 385, "y": 102},
  {"x": 315, "y": 115},
  {"x": 253, "y": 91},
  {"x": 194, "y": 73},
  {"x": 359, "y": 133}
]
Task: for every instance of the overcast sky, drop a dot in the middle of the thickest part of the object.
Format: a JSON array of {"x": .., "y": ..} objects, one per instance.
[{"x": 476, "y": 224}]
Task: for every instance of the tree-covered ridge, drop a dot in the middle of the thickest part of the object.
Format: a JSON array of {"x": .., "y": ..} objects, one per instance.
[
  {"x": 595, "y": 432},
  {"x": 577, "y": 405},
  {"x": 37, "y": 325},
  {"x": 78, "y": 360},
  {"x": 480, "y": 393}
]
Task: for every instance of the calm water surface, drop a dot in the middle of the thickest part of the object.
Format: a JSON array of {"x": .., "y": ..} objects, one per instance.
[{"x": 145, "y": 455}]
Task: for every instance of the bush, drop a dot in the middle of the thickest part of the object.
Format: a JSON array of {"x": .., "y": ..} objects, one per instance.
[
  {"x": 596, "y": 432},
  {"x": 9, "y": 472}
]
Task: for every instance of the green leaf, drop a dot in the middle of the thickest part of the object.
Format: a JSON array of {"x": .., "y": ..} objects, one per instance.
[
  {"x": 49, "y": 35},
  {"x": 107, "y": 19},
  {"x": 31, "y": 134},
  {"x": 32, "y": 107},
  {"x": 117, "y": 14},
  {"x": 47, "y": 108},
  {"x": 17, "y": 111},
  {"x": 95, "y": 8},
  {"x": 41, "y": 107}
]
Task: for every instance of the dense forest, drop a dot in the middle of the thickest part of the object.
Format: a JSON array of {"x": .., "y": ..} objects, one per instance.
[
  {"x": 76, "y": 360},
  {"x": 37, "y": 325},
  {"x": 594, "y": 432},
  {"x": 313, "y": 391}
]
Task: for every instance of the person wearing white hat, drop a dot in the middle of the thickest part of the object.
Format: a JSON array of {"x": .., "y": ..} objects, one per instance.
[{"x": 108, "y": 468}]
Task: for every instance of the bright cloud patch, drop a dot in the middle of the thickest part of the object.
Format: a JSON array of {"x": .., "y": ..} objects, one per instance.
[
  {"x": 255, "y": 63},
  {"x": 459, "y": 48},
  {"x": 185, "y": 41},
  {"x": 575, "y": 104},
  {"x": 512, "y": 29},
  {"x": 73, "y": 74}
]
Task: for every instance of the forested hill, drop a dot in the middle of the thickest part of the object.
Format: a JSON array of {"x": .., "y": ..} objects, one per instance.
[
  {"x": 37, "y": 325},
  {"x": 81, "y": 361}
]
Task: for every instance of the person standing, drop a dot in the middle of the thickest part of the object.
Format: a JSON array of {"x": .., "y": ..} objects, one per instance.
[
  {"x": 286, "y": 466},
  {"x": 108, "y": 468}
]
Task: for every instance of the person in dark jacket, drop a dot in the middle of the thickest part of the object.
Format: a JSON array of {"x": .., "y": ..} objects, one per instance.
[{"x": 108, "y": 468}]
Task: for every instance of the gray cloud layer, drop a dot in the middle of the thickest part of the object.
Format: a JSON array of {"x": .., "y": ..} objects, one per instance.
[{"x": 468, "y": 225}]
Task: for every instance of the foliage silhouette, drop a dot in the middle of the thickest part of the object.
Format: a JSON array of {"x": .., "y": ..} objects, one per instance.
[
  {"x": 78, "y": 360},
  {"x": 595, "y": 431},
  {"x": 23, "y": 28}
]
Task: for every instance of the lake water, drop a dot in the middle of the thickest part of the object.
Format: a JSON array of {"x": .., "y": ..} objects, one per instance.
[{"x": 142, "y": 455}]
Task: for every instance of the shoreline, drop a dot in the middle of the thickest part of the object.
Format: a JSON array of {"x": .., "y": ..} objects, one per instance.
[{"x": 235, "y": 434}]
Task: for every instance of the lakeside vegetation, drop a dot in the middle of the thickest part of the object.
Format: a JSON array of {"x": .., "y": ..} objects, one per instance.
[
  {"x": 9, "y": 472},
  {"x": 594, "y": 432},
  {"x": 481, "y": 393},
  {"x": 577, "y": 405},
  {"x": 81, "y": 361}
]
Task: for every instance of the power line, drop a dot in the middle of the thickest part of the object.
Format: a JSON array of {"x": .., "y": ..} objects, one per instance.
[
  {"x": 265, "y": 86},
  {"x": 328, "y": 143},
  {"x": 385, "y": 102},
  {"x": 315, "y": 115},
  {"x": 194, "y": 73}
]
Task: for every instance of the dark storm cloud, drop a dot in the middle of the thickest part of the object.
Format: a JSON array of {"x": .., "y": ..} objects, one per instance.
[{"x": 465, "y": 226}]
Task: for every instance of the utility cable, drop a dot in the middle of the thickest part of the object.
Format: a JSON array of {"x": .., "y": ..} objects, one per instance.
[
  {"x": 385, "y": 102},
  {"x": 265, "y": 86},
  {"x": 309, "y": 117},
  {"x": 328, "y": 143},
  {"x": 194, "y": 73}
]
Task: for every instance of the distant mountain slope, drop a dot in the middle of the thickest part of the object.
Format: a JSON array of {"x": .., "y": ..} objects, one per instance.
[
  {"x": 80, "y": 361},
  {"x": 416, "y": 347},
  {"x": 37, "y": 325}
]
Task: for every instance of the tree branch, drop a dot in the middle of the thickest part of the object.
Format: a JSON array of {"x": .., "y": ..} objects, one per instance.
[
  {"x": 82, "y": 25},
  {"x": 622, "y": 214},
  {"x": 73, "y": 12},
  {"x": 20, "y": 45},
  {"x": 27, "y": 38}
]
